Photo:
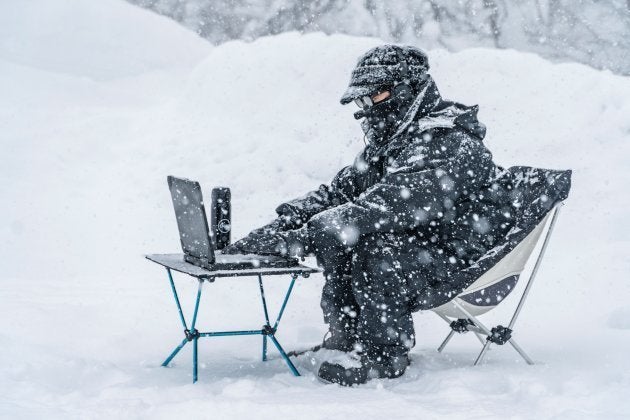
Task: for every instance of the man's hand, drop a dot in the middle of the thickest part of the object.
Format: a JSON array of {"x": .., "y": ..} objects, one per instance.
[
  {"x": 288, "y": 220},
  {"x": 258, "y": 243},
  {"x": 292, "y": 243},
  {"x": 270, "y": 228}
]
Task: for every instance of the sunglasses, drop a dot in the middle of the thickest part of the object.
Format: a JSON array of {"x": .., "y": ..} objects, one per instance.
[
  {"x": 364, "y": 102},
  {"x": 368, "y": 100}
]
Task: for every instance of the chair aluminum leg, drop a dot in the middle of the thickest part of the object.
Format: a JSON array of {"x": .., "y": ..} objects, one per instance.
[
  {"x": 486, "y": 346},
  {"x": 448, "y": 321},
  {"x": 552, "y": 224},
  {"x": 468, "y": 315},
  {"x": 452, "y": 333},
  {"x": 479, "y": 325},
  {"x": 520, "y": 351},
  {"x": 486, "y": 343},
  {"x": 480, "y": 338},
  {"x": 446, "y": 340},
  {"x": 479, "y": 358}
]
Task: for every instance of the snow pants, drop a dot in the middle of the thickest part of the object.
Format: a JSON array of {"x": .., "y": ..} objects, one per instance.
[{"x": 372, "y": 288}]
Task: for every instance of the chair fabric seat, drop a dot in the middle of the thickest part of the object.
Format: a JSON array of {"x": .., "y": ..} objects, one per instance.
[
  {"x": 537, "y": 192},
  {"x": 491, "y": 295},
  {"x": 500, "y": 280}
]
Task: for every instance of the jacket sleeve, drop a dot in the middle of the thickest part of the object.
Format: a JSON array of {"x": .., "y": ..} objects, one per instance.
[
  {"x": 418, "y": 189},
  {"x": 341, "y": 190}
]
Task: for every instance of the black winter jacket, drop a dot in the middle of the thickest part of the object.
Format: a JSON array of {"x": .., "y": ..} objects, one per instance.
[
  {"x": 417, "y": 183},
  {"x": 434, "y": 180}
]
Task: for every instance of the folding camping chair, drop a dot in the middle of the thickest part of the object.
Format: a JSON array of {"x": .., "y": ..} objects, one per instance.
[{"x": 491, "y": 288}]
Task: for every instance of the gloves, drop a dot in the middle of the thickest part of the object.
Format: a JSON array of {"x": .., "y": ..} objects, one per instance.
[
  {"x": 298, "y": 242},
  {"x": 258, "y": 242},
  {"x": 283, "y": 236},
  {"x": 270, "y": 228},
  {"x": 293, "y": 243},
  {"x": 289, "y": 217}
]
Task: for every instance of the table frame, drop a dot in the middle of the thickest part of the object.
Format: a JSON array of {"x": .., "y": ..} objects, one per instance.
[{"x": 267, "y": 331}]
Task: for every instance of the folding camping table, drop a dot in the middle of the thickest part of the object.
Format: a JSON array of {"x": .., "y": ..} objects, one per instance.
[{"x": 176, "y": 262}]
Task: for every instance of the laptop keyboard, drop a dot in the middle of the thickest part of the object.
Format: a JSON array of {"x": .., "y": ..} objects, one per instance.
[{"x": 254, "y": 260}]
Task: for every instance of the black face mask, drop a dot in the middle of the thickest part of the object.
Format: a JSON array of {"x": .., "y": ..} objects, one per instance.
[{"x": 382, "y": 119}]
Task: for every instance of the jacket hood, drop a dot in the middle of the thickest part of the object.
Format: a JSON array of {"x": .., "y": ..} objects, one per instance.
[
  {"x": 429, "y": 110},
  {"x": 452, "y": 114}
]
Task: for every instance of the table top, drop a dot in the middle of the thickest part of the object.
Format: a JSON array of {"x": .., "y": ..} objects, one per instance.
[{"x": 176, "y": 262}]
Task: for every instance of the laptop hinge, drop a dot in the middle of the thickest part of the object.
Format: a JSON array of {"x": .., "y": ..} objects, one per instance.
[{"x": 201, "y": 262}]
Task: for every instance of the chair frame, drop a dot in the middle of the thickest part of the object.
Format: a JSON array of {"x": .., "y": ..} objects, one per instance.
[{"x": 498, "y": 335}]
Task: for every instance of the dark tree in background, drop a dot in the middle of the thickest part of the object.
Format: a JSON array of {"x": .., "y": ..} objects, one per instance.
[{"x": 594, "y": 32}]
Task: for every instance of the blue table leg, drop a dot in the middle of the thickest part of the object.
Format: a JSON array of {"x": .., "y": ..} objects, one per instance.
[
  {"x": 267, "y": 331},
  {"x": 284, "y": 355},
  {"x": 194, "y": 320},
  {"x": 191, "y": 334},
  {"x": 195, "y": 332},
  {"x": 174, "y": 353},
  {"x": 181, "y": 317},
  {"x": 195, "y": 360},
  {"x": 264, "y": 301},
  {"x": 286, "y": 299},
  {"x": 179, "y": 306},
  {"x": 264, "y": 351}
]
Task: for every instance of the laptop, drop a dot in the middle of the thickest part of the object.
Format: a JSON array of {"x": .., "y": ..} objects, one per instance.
[{"x": 197, "y": 243}]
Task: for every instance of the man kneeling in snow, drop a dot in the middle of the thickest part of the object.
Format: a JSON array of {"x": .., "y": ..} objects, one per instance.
[{"x": 391, "y": 228}]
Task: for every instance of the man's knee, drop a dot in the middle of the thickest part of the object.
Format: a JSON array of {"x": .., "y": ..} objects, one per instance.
[
  {"x": 371, "y": 244},
  {"x": 375, "y": 256}
]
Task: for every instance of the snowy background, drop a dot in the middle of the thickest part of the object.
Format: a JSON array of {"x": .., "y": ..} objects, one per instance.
[
  {"x": 595, "y": 32},
  {"x": 99, "y": 101}
]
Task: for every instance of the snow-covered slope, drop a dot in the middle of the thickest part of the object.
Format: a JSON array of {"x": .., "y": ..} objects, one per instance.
[{"x": 100, "y": 101}]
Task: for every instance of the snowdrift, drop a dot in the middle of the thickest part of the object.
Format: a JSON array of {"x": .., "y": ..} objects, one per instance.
[{"x": 101, "y": 100}]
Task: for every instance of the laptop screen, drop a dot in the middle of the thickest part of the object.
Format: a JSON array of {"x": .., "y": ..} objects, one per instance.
[{"x": 191, "y": 218}]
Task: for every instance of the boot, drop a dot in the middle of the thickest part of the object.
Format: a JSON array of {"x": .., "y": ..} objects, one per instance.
[
  {"x": 342, "y": 334},
  {"x": 369, "y": 367},
  {"x": 339, "y": 340},
  {"x": 344, "y": 341}
]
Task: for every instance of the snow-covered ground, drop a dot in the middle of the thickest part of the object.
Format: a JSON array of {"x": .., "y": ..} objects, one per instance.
[{"x": 99, "y": 101}]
